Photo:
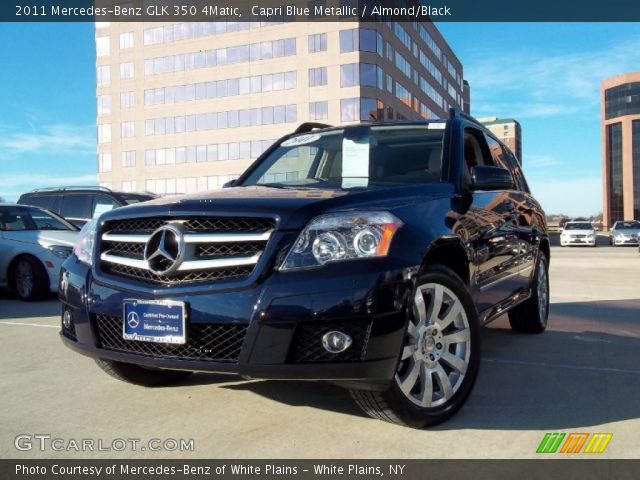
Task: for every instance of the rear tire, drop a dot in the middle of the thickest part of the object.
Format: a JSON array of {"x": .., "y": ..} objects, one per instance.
[
  {"x": 439, "y": 359},
  {"x": 146, "y": 377},
  {"x": 531, "y": 315},
  {"x": 30, "y": 279}
]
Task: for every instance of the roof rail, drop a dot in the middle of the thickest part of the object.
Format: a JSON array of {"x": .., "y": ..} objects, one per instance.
[
  {"x": 74, "y": 187},
  {"x": 309, "y": 126},
  {"x": 455, "y": 112}
]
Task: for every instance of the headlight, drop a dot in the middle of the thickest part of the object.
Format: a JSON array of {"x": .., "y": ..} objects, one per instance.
[
  {"x": 342, "y": 236},
  {"x": 83, "y": 248},
  {"x": 60, "y": 251}
]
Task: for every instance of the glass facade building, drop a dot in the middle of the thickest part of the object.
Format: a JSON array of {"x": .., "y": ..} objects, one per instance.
[
  {"x": 185, "y": 107},
  {"x": 621, "y": 148}
]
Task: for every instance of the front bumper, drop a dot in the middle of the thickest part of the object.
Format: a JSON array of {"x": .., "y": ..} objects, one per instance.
[
  {"x": 625, "y": 240},
  {"x": 566, "y": 241},
  {"x": 277, "y": 324}
]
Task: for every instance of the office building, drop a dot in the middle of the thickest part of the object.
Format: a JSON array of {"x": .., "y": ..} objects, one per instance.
[
  {"x": 184, "y": 107},
  {"x": 620, "y": 110},
  {"x": 507, "y": 130}
]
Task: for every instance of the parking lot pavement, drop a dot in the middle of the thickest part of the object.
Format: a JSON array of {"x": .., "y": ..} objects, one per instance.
[{"x": 582, "y": 375}]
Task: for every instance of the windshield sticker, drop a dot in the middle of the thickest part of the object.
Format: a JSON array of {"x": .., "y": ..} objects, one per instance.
[
  {"x": 300, "y": 140},
  {"x": 436, "y": 126},
  {"x": 355, "y": 162}
]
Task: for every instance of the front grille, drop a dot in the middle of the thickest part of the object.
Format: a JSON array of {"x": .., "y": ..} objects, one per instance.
[
  {"x": 307, "y": 341},
  {"x": 143, "y": 275},
  {"x": 207, "y": 342},
  {"x": 194, "y": 224},
  {"x": 215, "y": 248}
]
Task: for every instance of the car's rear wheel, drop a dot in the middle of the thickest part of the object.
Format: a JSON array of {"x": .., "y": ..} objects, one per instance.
[
  {"x": 30, "y": 279},
  {"x": 146, "y": 377},
  {"x": 531, "y": 315},
  {"x": 439, "y": 359}
]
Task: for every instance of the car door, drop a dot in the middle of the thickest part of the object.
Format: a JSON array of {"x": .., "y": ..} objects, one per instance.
[
  {"x": 524, "y": 209},
  {"x": 495, "y": 242}
]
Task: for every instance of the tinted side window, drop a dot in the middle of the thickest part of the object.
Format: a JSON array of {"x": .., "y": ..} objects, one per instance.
[
  {"x": 476, "y": 151},
  {"x": 517, "y": 171},
  {"x": 76, "y": 205},
  {"x": 50, "y": 202},
  {"x": 101, "y": 204},
  {"x": 500, "y": 157}
]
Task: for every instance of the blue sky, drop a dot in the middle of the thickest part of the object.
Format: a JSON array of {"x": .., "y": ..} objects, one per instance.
[{"x": 545, "y": 75}]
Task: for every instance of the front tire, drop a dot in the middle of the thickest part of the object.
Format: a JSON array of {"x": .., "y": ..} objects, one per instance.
[
  {"x": 440, "y": 356},
  {"x": 146, "y": 377},
  {"x": 531, "y": 315},
  {"x": 30, "y": 279}
]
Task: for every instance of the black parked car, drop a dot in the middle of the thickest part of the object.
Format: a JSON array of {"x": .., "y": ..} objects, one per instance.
[
  {"x": 366, "y": 255},
  {"x": 80, "y": 204}
]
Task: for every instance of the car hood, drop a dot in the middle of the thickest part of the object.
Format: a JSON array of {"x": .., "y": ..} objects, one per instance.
[
  {"x": 293, "y": 207},
  {"x": 44, "y": 238},
  {"x": 627, "y": 231}
]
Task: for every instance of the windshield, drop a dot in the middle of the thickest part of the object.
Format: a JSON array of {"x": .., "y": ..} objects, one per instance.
[
  {"x": 578, "y": 226},
  {"x": 359, "y": 156},
  {"x": 627, "y": 226},
  {"x": 30, "y": 218}
]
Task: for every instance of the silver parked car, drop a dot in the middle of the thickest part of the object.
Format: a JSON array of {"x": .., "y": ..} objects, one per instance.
[
  {"x": 625, "y": 233},
  {"x": 33, "y": 244}
]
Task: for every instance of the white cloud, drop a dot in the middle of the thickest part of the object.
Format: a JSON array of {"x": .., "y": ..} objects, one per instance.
[
  {"x": 50, "y": 139},
  {"x": 545, "y": 85},
  {"x": 540, "y": 161}
]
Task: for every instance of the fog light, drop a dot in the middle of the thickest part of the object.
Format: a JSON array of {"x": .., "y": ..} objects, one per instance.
[
  {"x": 336, "y": 342},
  {"x": 67, "y": 319}
]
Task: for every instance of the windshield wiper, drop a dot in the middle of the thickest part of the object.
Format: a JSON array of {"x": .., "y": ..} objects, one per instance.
[{"x": 271, "y": 185}]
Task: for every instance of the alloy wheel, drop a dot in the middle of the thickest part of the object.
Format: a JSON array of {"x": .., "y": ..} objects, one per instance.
[
  {"x": 437, "y": 347},
  {"x": 24, "y": 279}
]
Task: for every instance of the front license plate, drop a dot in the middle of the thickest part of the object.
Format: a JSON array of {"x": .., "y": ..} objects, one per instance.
[{"x": 159, "y": 321}]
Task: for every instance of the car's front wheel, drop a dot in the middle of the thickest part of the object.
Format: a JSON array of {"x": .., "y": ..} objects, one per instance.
[
  {"x": 146, "y": 377},
  {"x": 439, "y": 359},
  {"x": 30, "y": 279}
]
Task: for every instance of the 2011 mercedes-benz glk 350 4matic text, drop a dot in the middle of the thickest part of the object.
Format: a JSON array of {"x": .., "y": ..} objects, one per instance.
[{"x": 366, "y": 255}]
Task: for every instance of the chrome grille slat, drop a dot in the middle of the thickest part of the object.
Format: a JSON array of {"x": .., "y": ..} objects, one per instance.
[{"x": 215, "y": 248}]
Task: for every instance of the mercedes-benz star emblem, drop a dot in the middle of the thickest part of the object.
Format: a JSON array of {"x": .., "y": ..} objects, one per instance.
[
  {"x": 133, "y": 320},
  {"x": 164, "y": 251}
]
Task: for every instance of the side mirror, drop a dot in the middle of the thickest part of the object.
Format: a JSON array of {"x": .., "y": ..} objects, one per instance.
[
  {"x": 488, "y": 177},
  {"x": 230, "y": 183}
]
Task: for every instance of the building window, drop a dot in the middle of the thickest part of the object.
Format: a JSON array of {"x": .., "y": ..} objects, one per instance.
[
  {"x": 127, "y": 100},
  {"x": 103, "y": 74},
  {"x": 635, "y": 152},
  {"x": 622, "y": 100},
  {"x": 318, "y": 110},
  {"x": 104, "y": 133},
  {"x": 356, "y": 109},
  {"x": 129, "y": 186},
  {"x": 104, "y": 104},
  {"x": 103, "y": 46},
  {"x": 362, "y": 39},
  {"x": 349, "y": 75},
  {"x": 126, "y": 40},
  {"x": 127, "y": 129},
  {"x": 104, "y": 162},
  {"x": 126, "y": 70},
  {"x": 317, "y": 76},
  {"x": 318, "y": 43},
  {"x": 129, "y": 158},
  {"x": 614, "y": 160}
]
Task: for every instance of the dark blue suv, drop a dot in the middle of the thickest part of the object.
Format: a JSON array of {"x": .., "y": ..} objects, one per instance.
[{"x": 367, "y": 255}]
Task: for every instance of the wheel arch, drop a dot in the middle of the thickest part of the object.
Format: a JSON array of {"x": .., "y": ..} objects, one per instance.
[{"x": 451, "y": 253}]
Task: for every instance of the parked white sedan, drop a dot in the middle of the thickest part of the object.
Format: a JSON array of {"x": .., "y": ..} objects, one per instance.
[
  {"x": 625, "y": 233},
  {"x": 33, "y": 244},
  {"x": 578, "y": 233}
]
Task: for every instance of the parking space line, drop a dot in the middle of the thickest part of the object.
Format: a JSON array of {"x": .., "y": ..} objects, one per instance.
[
  {"x": 561, "y": 365},
  {"x": 29, "y": 324}
]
